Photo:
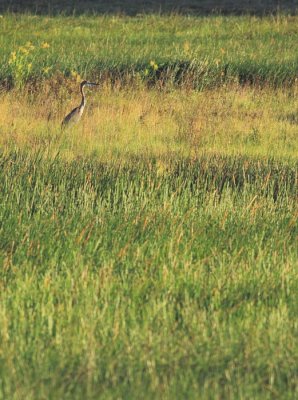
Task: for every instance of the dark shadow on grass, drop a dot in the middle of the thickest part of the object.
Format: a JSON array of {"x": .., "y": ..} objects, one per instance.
[
  {"x": 128, "y": 7},
  {"x": 213, "y": 173}
]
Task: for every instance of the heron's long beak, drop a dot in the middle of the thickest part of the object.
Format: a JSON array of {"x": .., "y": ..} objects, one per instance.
[{"x": 92, "y": 84}]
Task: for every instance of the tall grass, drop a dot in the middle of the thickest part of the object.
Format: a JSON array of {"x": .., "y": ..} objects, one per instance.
[
  {"x": 200, "y": 52},
  {"x": 126, "y": 281},
  {"x": 164, "y": 124},
  {"x": 150, "y": 251}
]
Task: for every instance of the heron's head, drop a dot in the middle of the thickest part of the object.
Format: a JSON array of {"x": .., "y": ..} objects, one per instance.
[{"x": 87, "y": 83}]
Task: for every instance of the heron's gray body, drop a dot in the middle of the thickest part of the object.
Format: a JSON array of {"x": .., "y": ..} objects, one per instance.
[{"x": 75, "y": 115}]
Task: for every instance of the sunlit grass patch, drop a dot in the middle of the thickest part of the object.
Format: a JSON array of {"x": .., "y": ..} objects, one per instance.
[{"x": 155, "y": 123}]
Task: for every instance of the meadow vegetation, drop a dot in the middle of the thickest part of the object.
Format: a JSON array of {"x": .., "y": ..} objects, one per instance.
[
  {"x": 136, "y": 121},
  {"x": 198, "y": 52},
  {"x": 151, "y": 250}
]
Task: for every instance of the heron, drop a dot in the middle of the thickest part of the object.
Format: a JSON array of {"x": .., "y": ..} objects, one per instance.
[{"x": 75, "y": 115}]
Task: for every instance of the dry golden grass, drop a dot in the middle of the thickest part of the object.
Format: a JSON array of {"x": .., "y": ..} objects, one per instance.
[{"x": 119, "y": 123}]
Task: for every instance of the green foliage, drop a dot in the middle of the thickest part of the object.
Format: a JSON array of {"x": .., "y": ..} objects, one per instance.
[
  {"x": 24, "y": 61},
  {"x": 201, "y": 52},
  {"x": 148, "y": 278}
]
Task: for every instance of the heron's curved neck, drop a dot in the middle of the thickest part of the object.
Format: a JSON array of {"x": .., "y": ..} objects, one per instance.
[{"x": 83, "y": 102}]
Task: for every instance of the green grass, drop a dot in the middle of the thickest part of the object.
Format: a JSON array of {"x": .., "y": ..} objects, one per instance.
[
  {"x": 151, "y": 251},
  {"x": 122, "y": 280},
  {"x": 199, "y": 51}
]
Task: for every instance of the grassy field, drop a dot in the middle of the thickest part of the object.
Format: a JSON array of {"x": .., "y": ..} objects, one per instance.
[
  {"x": 121, "y": 123},
  {"x": 198, "y": 52},
  {"x": 146, "y": 279},
  {"x": 151, "y": 250}
]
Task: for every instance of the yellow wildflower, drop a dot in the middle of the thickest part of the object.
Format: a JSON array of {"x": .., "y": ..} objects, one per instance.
[
  {"x": 46, "y": 70},
  {"x": 76, "y": 76},
  {"x": 29, "y": 66},
  {"x": 24, "y": 50},
  {"x": 29, "y": 46},
  {"x": 45, "y": 45},
  {"x": 13, "y": 57},
  {"x": 153, "y": 65}
]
